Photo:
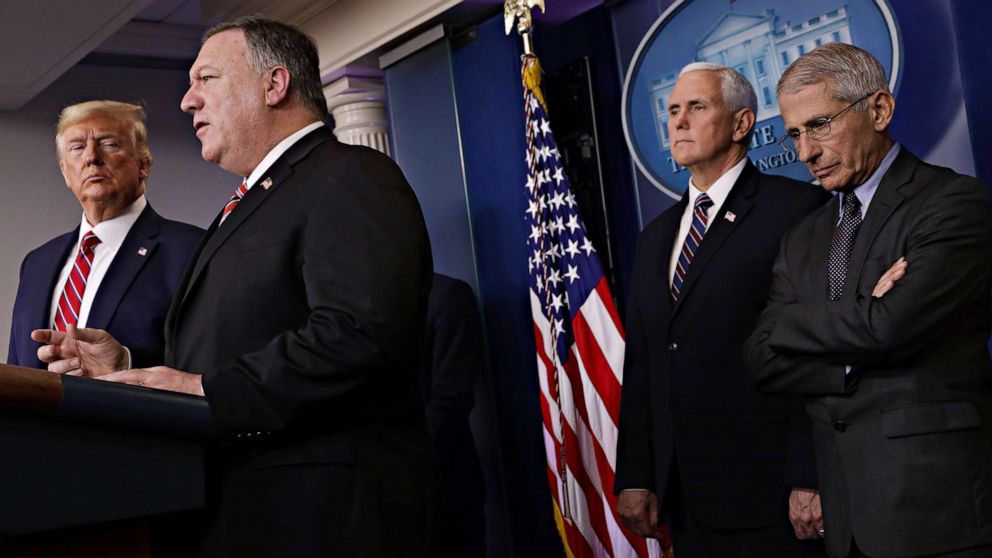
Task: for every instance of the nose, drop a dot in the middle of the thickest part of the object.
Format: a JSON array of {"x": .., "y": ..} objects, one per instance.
[
  {"x": 679, "y": 120},
  {"x": 190, "y": 102},
  {"x": 92, "y": 154},
  {"x": 808, "y": 149}
]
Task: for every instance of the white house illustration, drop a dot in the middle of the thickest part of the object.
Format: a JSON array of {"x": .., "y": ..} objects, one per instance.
[{"x": 758, "y": 49}]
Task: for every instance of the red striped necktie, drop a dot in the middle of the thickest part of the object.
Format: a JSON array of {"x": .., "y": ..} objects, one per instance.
[
  {"x": 72, "y": 294},
  {"x": 235, "y": 199}
]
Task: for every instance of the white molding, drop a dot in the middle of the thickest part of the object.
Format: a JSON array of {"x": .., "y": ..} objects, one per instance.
[{"x": 351, "y": 29}]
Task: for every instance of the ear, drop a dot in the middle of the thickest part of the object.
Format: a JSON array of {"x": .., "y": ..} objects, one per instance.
[
  {"x": 277, "y": 86},
  {"x": 881, "y": 110},
  {"x": 743, "y": 124},
  {"x": 143, "y": 167}
]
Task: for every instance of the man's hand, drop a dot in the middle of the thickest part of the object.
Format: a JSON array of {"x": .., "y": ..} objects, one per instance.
[
  {"x": 889, "y": 278},
  {"x": 159, "y": 377},
  {"x": 80, "y": 352},
  {"x": 638, "y": 510},
  {"x": 805, "y": 513}
]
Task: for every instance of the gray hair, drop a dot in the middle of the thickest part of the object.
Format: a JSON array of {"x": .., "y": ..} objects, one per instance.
[
  {"x": 849, "y": 73},
  {"x": 270, "y": 44},
  {"x": 736, "y": 89}
]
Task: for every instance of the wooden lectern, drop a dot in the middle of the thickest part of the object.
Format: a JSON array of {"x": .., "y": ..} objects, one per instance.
[{"x": 77, "y": 452}]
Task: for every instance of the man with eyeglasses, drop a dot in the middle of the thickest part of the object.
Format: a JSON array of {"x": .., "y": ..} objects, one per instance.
[{"x": 879, "y": 315}]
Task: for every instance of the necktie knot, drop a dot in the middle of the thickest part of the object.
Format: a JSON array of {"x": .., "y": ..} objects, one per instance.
[
  {"x": 239, "y": 193},
  {"x": 852, "y": 205},
  {"x": 703, "y": 202},
  {"x": 89, "y": 241}
]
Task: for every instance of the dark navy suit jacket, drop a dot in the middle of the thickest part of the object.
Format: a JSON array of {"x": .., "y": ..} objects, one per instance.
[
  {"x": 687, "y": 396},
  {"x": 134, "y": 296}
]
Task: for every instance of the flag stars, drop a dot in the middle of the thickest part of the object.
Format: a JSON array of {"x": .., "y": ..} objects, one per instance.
[
  {"x": 587, "y": 246},
  {"x": 556, "y": 302},
  {"x": 572, "y": 274},
  {"x": 559, "y": 176},
  {"x": 573, "y": 223},
  {"x": 558, "y": 200},
  {"x": 535, "y": 233},
  {"x": 573, "y": 248},
  {"x": 532, "y": 209},
  {"x": 545, "y": 127}
]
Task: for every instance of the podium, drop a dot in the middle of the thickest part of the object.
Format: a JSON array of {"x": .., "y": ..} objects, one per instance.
[{"x": 76, "y": 452}]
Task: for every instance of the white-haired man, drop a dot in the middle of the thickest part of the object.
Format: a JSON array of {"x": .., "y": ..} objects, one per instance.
[
  {"x": 697, "y": 442},
  {"x": 879, "y": 315}
]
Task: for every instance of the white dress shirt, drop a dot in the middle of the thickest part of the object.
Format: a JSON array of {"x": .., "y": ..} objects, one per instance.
[
  {"x": 111, "y": 234},
  {"x": 717, "y": 192}
]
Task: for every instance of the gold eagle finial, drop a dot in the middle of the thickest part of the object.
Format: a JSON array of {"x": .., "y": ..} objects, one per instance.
[{"x": 513, "y": 9}]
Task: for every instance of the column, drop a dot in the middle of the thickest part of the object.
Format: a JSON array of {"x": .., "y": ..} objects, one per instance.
[{"x": 358, "y": 106}]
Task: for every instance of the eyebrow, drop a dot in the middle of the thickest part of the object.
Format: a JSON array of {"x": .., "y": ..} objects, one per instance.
[{"x": 688, "y": 103}]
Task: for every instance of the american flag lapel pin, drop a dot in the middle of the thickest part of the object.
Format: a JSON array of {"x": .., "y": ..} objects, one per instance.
[
  {"x": 730, "y": 216},
  {"x": 267, "y": 183},
  {"x": 142, "y": 251}
]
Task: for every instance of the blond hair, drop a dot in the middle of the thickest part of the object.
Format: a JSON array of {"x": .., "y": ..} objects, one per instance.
[{"x": 131, "y": 115}]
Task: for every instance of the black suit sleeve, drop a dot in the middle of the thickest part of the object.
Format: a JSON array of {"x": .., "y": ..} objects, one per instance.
[
  {"x": 456, "y": 359},
  {"x": 799, "y": 346},
  {"x": 635, "y": 454}
]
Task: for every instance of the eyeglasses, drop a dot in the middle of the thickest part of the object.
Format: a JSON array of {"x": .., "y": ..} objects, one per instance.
[{"x": 815, "y": 129}]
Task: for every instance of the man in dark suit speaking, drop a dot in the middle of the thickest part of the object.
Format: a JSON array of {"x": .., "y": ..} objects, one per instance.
[
  {"x": 298, "y": 319},
  {"x": 696, "y": 440},
  {"x": 879, "y": 314},
  {"x": 119, "y": 269}
]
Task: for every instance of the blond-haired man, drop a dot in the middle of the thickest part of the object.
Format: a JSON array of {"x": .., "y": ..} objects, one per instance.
[{"x": 119, "y": 268}]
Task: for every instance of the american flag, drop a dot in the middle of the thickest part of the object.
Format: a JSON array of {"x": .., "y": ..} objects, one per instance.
[{"x": 580, "y": 348}]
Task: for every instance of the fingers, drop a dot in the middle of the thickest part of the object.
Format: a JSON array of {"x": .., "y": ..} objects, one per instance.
[
  {"x": 888, "y": 279},
  {"x": 47, "y": 336},
  {"x": 633, "y": 507},
  {"x": 134, "y": 377}
]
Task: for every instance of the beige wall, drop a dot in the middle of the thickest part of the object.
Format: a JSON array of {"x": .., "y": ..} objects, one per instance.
[{"x": 35, "y": 204}]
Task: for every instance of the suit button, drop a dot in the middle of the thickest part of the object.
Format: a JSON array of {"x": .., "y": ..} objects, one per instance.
[
  {"x": 673, "y": 346},
  {"x": 840, "y": 426}
]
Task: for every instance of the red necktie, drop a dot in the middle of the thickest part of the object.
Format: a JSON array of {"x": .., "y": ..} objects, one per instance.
[
  {"x": 72, "y": 294},
  {"x": 233, "y": 202}
]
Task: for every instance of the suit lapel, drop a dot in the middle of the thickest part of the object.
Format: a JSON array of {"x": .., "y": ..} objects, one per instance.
[
  {"x": 820, "y": 249},
  {"x": 218, "y": 234},
  {"x": 39, "y": 297},
  {"x": 661, "y": 274},
  {"x": 885, "y": 201},
  {"x": 137, "y": 248},
  {"x": 721, "y": 226}
]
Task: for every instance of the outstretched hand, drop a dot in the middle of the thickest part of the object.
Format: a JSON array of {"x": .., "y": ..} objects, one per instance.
[{"x": 80, "y": 351}]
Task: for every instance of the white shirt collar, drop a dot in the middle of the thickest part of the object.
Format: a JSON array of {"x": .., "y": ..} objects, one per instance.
[
  {"x": 278, "y": 151},
  {"x": 112, "y": 232},
  {"x": 720, "y": 189}
]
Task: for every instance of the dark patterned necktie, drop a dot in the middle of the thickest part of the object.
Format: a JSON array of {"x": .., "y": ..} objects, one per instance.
[
  {"x": 842, "y": 243},
  {"x": 691, "y": 244}
]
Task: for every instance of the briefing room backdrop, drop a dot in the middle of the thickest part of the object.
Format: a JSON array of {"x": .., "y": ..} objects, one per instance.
[
  {"x": 467, "y": 94},
  {"x": 457, "y": 130}
]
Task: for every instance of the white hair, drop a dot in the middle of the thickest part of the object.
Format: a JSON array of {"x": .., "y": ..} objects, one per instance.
[{"x": 736, "y": 89}]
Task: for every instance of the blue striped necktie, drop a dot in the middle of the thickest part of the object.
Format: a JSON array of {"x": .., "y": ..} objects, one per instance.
[{"x": 691, "y": 244}]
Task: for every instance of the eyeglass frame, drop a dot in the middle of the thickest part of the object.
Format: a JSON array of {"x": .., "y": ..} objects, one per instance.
[{"x": 813, "y": 132}]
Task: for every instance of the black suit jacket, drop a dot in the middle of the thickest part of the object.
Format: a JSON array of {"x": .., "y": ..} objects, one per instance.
[
  {"x": 303, "y": 312},
  {"x": 903, "y": 442},
  {"x": 687, "y": 396},
  {"x": 452, "y": 359},
  {"x": 133, "y": 298}
]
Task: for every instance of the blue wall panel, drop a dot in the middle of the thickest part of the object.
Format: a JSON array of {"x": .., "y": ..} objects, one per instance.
[{"x": 486, "y": 72}]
